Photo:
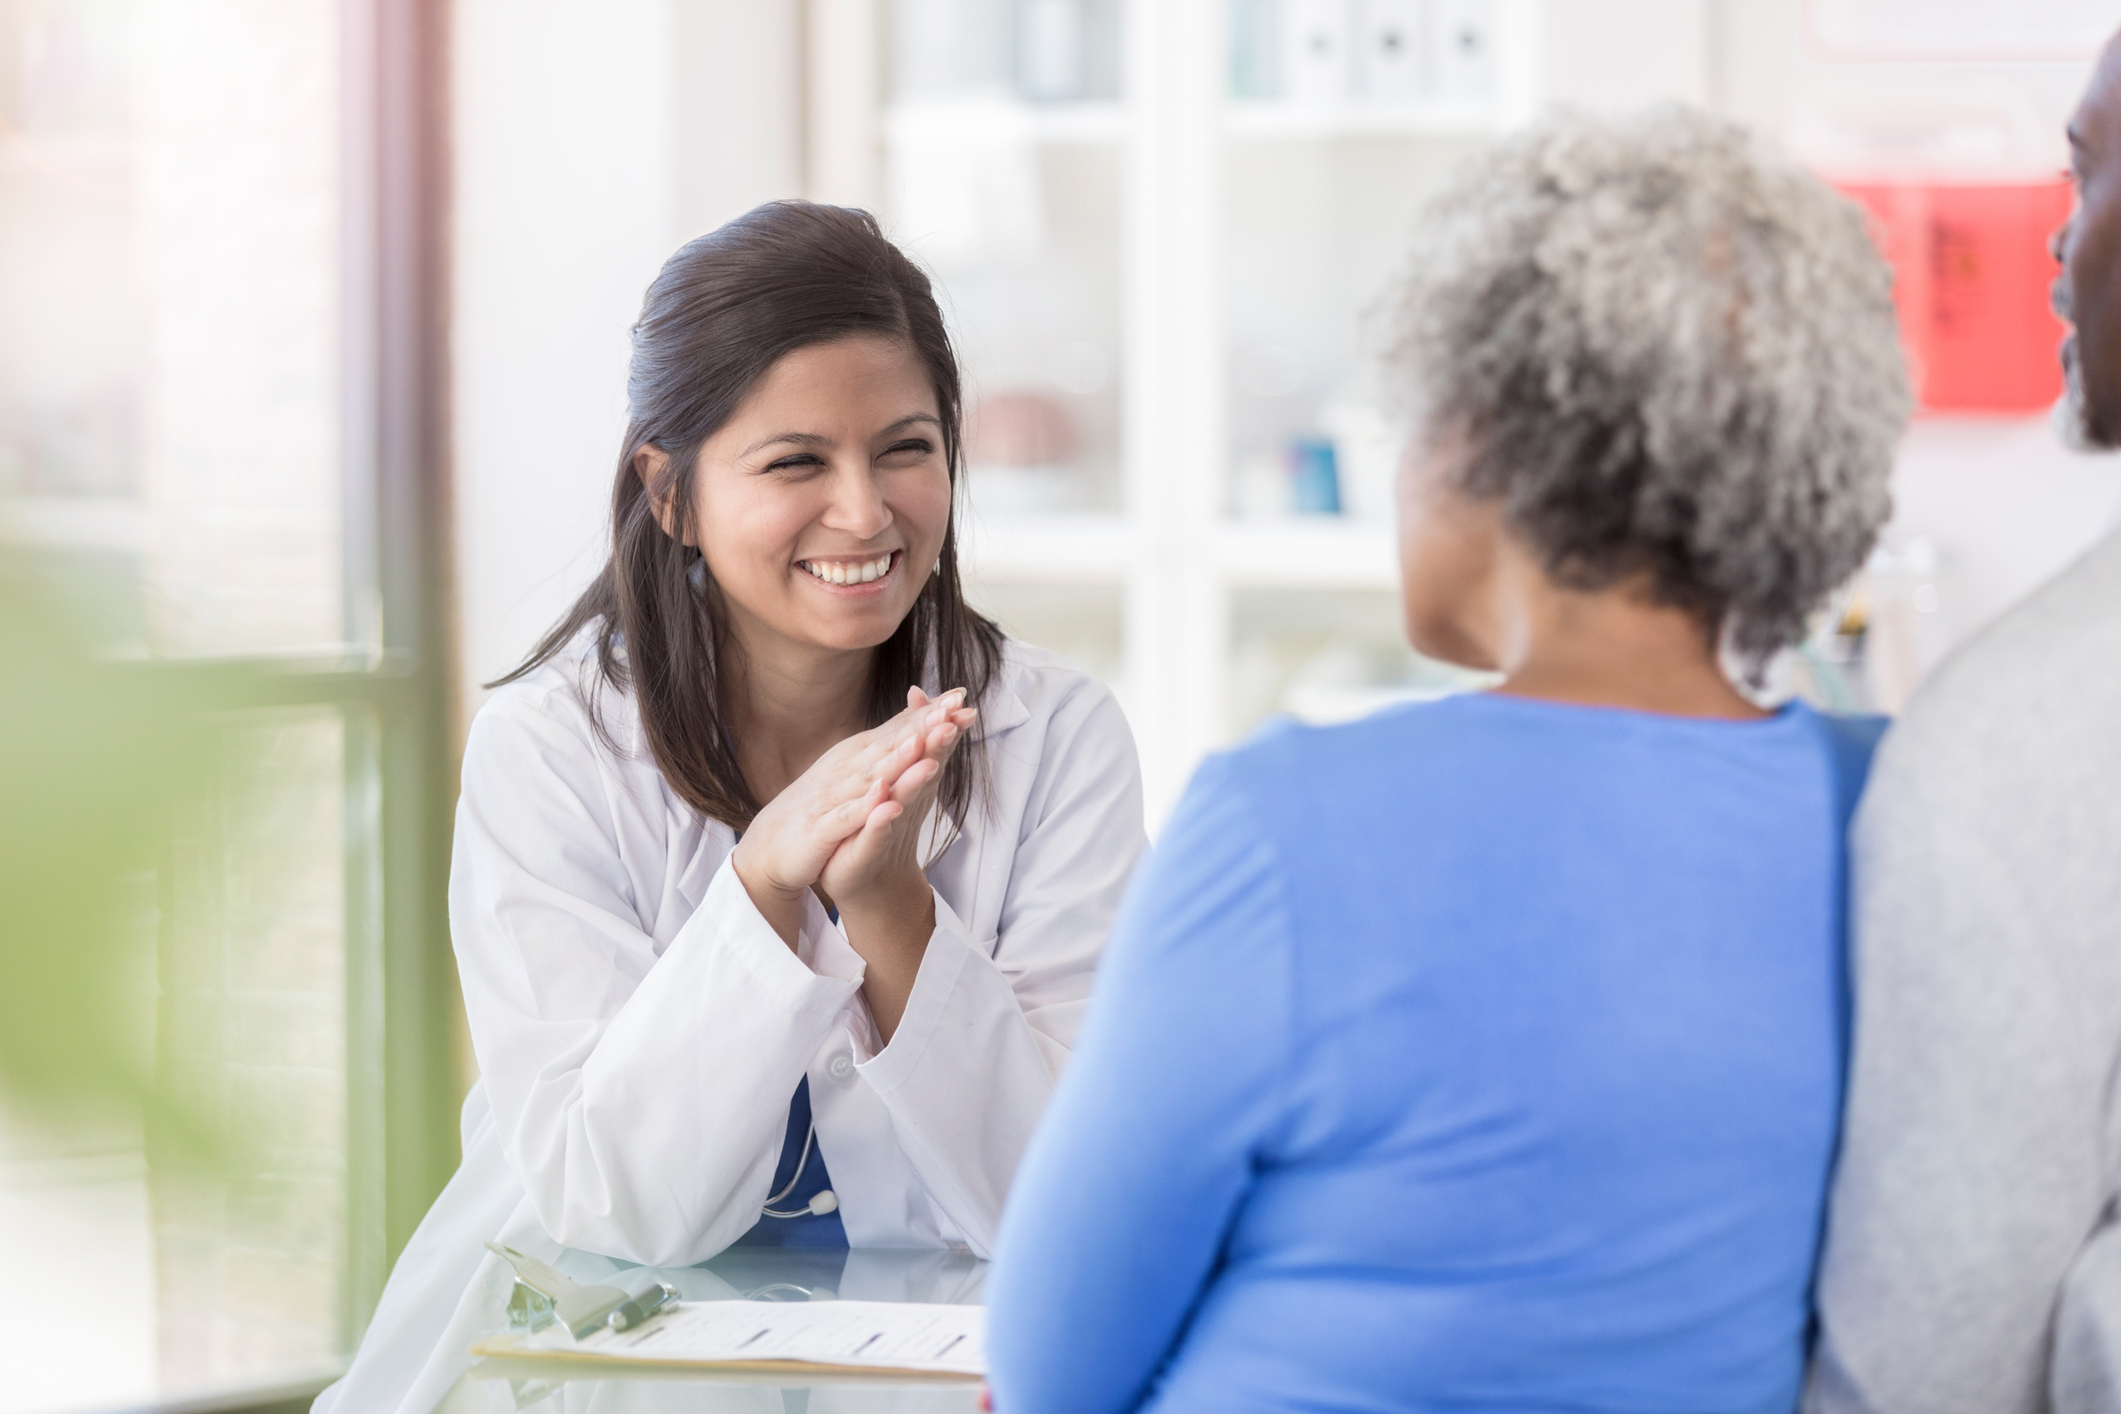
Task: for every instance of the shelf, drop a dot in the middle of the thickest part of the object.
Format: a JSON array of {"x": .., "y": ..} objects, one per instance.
[
  {"x": 1097, "y": 550},
  {"x": 1322, "y": 552},
  {"x": 960, "y": 122},
  {"x": 1325, "y": 552},
  {"x": 1057, "y": 549},
  {"x": 1273, "y": 119}
]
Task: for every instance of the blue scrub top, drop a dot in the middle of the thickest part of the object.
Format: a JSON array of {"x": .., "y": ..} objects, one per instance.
[{"x": 811, "y": 1229}]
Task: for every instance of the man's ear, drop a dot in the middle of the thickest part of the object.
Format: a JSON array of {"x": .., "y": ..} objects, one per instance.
[{"x": 650, "y": 463}]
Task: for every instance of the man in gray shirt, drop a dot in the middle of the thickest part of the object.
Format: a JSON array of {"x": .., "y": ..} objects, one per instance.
[{"x": 1973, "y": 1255}]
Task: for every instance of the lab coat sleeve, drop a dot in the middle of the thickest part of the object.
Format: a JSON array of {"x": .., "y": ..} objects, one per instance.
[
  {"x": 640, "y": 1099},
  {"x": 990, "y": 1021},
  {"x": 1178, "y": 1091}
]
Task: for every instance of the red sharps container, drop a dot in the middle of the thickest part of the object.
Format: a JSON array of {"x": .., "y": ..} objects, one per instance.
[{"x": 1970, "y": 276}]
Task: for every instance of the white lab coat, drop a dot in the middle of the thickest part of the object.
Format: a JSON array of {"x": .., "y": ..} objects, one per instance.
[{"x": 640, "y": 1028}]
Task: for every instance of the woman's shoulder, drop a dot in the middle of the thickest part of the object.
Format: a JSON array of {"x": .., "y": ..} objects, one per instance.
[
  {"x": 1283, "y": 743},
  {"x": 567, "y": 698},
  {"x": 1044, "y": 674},
  {"x": 1037, "y": 684},
  {"x": 1472, "y": 743}
]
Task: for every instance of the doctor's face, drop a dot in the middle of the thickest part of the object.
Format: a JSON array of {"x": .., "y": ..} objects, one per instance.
[{"x": 821, "y": 505}]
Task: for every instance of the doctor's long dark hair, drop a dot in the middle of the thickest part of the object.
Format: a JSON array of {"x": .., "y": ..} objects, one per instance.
[{"x": 723, "y": 310}]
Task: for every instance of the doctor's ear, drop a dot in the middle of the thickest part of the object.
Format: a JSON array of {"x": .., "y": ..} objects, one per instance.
[{"x": 652, "y": 465}]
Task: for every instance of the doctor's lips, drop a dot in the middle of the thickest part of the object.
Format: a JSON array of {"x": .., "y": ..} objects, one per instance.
[{"x": 852, "y": 573}]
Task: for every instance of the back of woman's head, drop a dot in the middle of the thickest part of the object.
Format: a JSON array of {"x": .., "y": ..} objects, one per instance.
[
  {"x": 1667, "y": 357},
  {"x": 720, "y": 314}
]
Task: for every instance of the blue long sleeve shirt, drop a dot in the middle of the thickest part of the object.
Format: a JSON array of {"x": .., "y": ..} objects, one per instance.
[{"x": 1481, "y": 1055}]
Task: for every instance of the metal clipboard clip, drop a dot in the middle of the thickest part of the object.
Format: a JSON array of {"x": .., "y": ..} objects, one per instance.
[{"x": 542, "y": 1295}]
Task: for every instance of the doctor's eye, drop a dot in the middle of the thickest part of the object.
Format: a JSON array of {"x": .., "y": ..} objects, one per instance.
[
  {"x": 909, "y": 448},
  {"x": 796, "y": 464}
]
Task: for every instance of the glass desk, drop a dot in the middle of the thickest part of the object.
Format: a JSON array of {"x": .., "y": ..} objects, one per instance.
[{"x": 527, "y": 1386}]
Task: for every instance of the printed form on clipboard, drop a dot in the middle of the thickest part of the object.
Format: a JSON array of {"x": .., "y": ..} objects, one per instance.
[{"x": 876, "y": 1337}]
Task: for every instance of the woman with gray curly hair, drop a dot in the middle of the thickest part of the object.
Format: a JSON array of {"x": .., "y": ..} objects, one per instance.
[{"x": 1488, "y": 1053}]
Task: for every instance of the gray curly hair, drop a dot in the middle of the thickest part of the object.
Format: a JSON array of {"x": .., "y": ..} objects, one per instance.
[{"x": 1663, "y": 353}]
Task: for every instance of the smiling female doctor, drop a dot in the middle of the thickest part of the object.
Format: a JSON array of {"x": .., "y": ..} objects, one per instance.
[{"x": 780, "y": 875}]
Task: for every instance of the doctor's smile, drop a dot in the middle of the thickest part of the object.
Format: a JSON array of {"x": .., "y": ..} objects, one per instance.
[{"x": 856, "y": 576}]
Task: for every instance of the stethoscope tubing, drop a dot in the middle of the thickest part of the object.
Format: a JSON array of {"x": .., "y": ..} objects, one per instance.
[{"x": 800, "y": 1164}]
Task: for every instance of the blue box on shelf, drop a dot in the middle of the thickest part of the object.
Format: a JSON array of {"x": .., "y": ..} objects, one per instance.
[{"x": 1314, "y": 476}]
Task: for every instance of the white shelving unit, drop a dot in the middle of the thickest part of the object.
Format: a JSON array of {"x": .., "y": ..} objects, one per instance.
[
  {"x": 1257, "y": 118},
  {"x": 1166, "y": 575}
]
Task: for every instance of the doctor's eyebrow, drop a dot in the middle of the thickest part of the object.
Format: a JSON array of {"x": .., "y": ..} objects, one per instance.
[
  {"x": 911, "y": 418},
  {"x": 797, "y": 439},
  {"x": 818, "y": 440}
]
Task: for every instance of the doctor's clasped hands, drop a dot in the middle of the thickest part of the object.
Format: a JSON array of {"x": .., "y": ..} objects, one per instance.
[{"x": 849, "y": 828}]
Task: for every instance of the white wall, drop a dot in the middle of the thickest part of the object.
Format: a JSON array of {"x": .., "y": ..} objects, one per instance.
[
  {"x": 740, "y": 91},
  {"x": 2004, "y": 505},
  {"x": 590, "y": 141},
  {"x": 1620, "y": 54}
]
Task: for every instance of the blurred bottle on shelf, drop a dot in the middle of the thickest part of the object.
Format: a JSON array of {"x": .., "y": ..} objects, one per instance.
[
  {"x": 1900, "y": 623},
  {"x": 1347, "y": 466},
  {"x": 1314, "y": 476},
  {"x": 1367, "y": 446},
  {"x": 1962, "y": 196},
  {"x": 1021, "y": 450}
]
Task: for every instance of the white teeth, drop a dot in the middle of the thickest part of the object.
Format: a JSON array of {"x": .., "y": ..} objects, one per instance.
[{"x": 842, "y": 573}]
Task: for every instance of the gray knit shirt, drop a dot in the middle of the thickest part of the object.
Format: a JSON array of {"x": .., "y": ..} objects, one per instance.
[{"x": 1973, "y": 1262}]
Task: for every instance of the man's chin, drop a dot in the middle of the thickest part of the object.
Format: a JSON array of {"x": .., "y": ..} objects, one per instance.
[{"x": 2072, "y": 416}]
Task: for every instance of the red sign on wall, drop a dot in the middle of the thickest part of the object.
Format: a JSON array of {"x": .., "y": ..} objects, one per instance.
[{"x": 1970, "y": 276}]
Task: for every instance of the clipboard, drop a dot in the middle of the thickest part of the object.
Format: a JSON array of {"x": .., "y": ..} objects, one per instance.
[
  {"x": 838, "y": 1341},
  {"x": 543, "y": 1296},
  {"x": 516, "y": 1349}
]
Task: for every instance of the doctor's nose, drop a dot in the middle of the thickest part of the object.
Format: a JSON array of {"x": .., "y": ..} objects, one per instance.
[{"x": 857, "y": 504}]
